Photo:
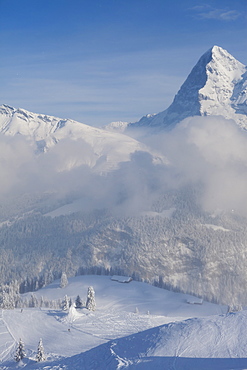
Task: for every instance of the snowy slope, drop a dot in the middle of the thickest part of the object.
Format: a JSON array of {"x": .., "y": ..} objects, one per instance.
[
  {"x": 105, "y": 149},
  {"x": 122, "y": 310},
  {"x": 209, "y": 343},
  {"x": 215, "y": 86}
]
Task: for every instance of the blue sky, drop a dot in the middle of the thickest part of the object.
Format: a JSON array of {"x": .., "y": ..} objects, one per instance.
[{"x": 98, "y": 61}]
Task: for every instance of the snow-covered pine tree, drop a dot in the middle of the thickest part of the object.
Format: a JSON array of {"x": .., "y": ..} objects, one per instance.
[
  {"x": 78, "y": 302},
  {"x": 13, "y": 291},
  {"x": 48, "y": 277},
  {"x": 91, "y": 304},
  {"x": 20, "y": 351},
  {"x": 65, "y": 303},
  {"x": 70, "y": 302},
  {"x": 7, "y": 300},
  {"x": 64, "y": 280},
  {"x": 33, "y": 301},
  {"x": 42, "y": 301},
  {"x": 40, "y": 353}
]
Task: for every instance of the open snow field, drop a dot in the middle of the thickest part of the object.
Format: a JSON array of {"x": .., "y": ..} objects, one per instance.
[{"x": 135, "y": 326}]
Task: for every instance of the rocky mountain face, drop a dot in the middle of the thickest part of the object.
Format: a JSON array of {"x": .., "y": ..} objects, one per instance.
[{"x": 216, "y": 86}]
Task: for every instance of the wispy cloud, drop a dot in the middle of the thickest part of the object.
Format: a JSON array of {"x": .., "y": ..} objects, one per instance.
[
  {"x": 94, "y": 90},
  {"x": 207, "y": 12},
  {"x": 220, "y": 14}
]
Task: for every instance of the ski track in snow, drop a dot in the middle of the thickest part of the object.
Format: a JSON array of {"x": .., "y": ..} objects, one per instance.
[
  {"x": 7, "y": 338},
  {"x": 121, "y": 361}
]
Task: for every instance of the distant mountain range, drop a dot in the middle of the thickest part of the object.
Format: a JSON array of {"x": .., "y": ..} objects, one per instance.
[{"x": 217, "y": 85}]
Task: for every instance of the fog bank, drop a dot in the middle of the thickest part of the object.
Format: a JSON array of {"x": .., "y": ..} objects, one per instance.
[{"x": 209, "y": 151}]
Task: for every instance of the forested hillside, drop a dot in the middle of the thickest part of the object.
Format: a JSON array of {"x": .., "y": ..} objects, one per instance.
[{"x": 176, "y": 245}]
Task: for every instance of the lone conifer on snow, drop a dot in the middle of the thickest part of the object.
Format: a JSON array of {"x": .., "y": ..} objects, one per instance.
[
  {"x": 65, "y": 303},
  {"x": 78, "y": 302},
  {"x": 40, "y": 354},
  {"x": 20, "y": 351}
]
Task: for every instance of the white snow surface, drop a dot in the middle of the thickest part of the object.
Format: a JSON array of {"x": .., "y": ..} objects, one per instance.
[
  {"x": 217, "y": 85},
  {"x": 135, "y": 326}
]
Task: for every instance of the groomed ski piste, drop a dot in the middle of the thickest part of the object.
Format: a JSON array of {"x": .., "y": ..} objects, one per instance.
[{"x": 135, "y": 326}]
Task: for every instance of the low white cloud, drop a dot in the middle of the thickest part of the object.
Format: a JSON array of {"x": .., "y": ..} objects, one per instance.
[
  {"x": 15, "y": 156},
  {"x": 212, "y": 152},
  {"x": 68, "y": 167}
]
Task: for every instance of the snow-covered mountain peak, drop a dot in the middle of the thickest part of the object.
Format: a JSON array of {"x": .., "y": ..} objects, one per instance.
[
  {"x": 222, "y": 56},
  {"x": 216, "y": 97},
  {"x": 218, "y": 52},
  {"x": 215, "y": 86},
  {"x": 224, "y": 64}
]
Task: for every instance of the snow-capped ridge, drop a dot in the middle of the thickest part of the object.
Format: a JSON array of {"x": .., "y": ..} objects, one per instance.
[
  {"x": 177, "y": 346},
  {"x": 104, "y": 149}
]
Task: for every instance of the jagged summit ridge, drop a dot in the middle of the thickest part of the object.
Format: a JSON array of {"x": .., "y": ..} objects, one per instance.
[
  {"x": 20, "y": 121},
  {"x": 215, "y": 86}
]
